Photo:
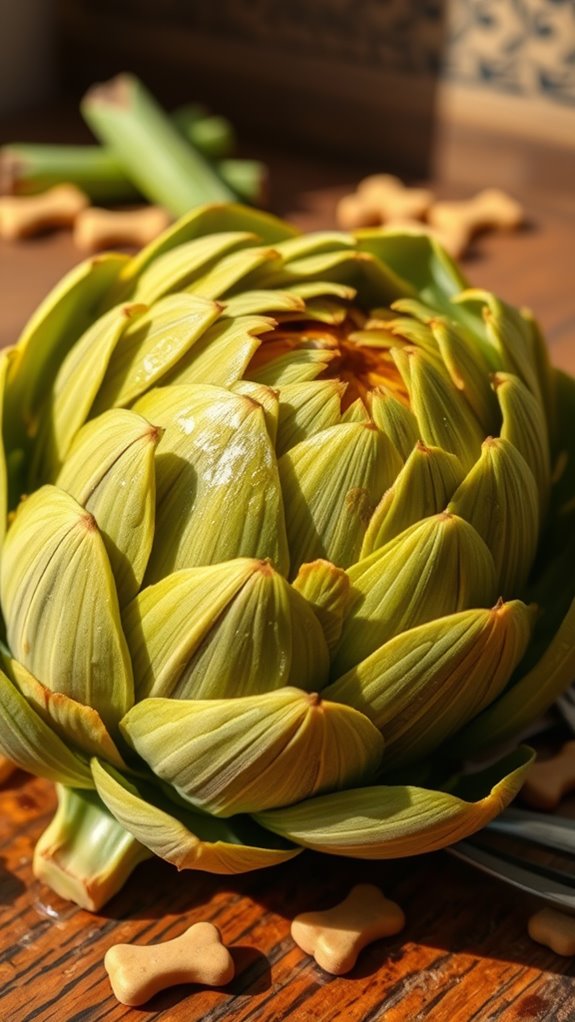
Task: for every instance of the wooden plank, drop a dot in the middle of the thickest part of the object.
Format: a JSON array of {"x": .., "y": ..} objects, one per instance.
[{"x": 464, "y": 955}]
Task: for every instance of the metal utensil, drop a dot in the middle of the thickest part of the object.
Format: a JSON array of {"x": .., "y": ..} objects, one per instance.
[{"x": 553, "y": 885}]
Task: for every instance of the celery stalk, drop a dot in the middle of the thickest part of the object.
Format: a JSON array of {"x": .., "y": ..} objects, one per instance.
[
  {"x": 126, "y": 118},
  {"x": 247, "y": 178},
  {"x": 26, "y": 169},
  {"x": 29, "y": 168},
  {"x": 213, "y": 135}
]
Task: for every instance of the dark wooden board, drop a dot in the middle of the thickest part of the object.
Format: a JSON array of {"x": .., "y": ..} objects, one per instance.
[{"x": 464, "y": 955}]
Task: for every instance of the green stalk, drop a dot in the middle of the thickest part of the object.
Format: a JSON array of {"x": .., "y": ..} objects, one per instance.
[
  {"x": 26, "y": 169},
  {"x": 247, "y": 178},
  {"x": 214, "y": 136},
  {"x": 166, "y": 168},
  {"x": 84, "y": 854}
]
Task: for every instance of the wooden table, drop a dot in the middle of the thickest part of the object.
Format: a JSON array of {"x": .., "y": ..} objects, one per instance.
[{"x": 464, "y": 955}]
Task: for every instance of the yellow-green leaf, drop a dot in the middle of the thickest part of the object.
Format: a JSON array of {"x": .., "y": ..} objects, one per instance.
[
  {"x": 187, "y": 839},
  {"x": 176, "y": 268},
  {"x": 423, "y": 488},
  {"x": 203, "y": 221},
  {"x": 319, "y": 310},
  {"x": 230, "y": 629},
  {"x": 232, "y": 269},
  {"x": 60, "y": 604},
  {"x": 469, "y": 372},
  {"x": 267, "y": 398},
  {"x": 436, "y": 567},
  {"x": 55, "y": 326},
  {"x": 306, "y": 409},
  {"x": 394, "y": 419},
  {"x": 394, "y": 821},
  {"x": 444, "y": 419},
  {"x": 327, "y": 589},
  {"x": 218, "y": 491},
  {"x": 221, "y": 356},
  {"x": 372, "y": 279},
  {"x": 510, "y": 335},
  {"x": 110, "y": 470},
  {"x": 152, "y": 346},
  {"x": 417, "y": 260},
  {"x": 332, "y": 483},
  {"x": 30, "y": 743},
  {"x": 356, "y": 412},
  {"x": 411, "y": 330},
  {"x": 525, "y": 426},
  {"x": 424, "y": 684},
  {"x": 530, "y": 696},
  {"x": 77, "y": 725},
  {"x": 253, "y": 303},
  {"x": 314, "y": 244},
  {"x": 231, "y": 756},
  {"x": 5, "y": 357},
  {"x": 297, "y": 366},
  {"x": 75, "y": 387},
  {"x": 499, "y": 498},
  {"x": 311, "y": 289}
]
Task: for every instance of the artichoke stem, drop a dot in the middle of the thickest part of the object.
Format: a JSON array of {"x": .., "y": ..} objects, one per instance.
[{"x": 84, "y": 854}]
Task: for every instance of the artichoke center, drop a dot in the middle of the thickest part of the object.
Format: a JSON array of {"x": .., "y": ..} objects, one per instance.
[{"x": 361, "y": 365}]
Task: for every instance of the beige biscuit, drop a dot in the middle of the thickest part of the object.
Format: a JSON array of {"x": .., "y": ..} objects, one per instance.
[
  {"x": 382, "y": 199},
  {"x": 554, "y": 929},
  {"x": 549, "y": 780},
  {"x": 137, "y": 973},
  {"x": 336, "y": 937},
  {"x": 490, "y": 209},
  {"x": 22, "y": 216},
  {"x": 97, "y": 229},
  {"x": 393, "y": 199},
  {"x": 353, "y": 213}
]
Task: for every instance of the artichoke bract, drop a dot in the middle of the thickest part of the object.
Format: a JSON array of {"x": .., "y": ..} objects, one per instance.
[{"x": 287, "y": 549}]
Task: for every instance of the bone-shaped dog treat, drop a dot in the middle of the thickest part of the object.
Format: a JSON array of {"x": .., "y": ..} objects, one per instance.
[
  {"x": 22, "y": 216},
  {"x": 393, "y": 199},
  {"x": 490, "y": 209},
  {"x": 198, "y": 956},
  {"x": 550, "y": 780},
  {"x": 353, "y": 212},
  {"x": 553, "y": 929},
  {"x": 336, "y": 937},
  {"x": 379, "y": 199},
  {"x": 97, "y": 229}
]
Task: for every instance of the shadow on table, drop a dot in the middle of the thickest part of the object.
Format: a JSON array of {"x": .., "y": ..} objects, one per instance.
[
  {"x": 449, "y": 906},
  {"x": 11, "y": 887}
]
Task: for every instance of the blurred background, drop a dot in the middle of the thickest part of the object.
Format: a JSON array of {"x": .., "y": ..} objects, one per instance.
[
  {"x": 458, "y": 95},
  {"x": 454, "y": 88}
]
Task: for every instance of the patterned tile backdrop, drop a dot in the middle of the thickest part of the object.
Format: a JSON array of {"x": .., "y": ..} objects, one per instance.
[
  {"x": 523, "y": 47},
  {"x": 519, "y": 47}
]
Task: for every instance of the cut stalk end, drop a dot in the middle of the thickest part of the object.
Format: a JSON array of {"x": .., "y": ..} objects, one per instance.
[{"x": 84, "y": 855}]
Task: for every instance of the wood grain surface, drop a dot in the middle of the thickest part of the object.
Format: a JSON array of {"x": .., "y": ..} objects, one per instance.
[{"x": 464, "y": 955}]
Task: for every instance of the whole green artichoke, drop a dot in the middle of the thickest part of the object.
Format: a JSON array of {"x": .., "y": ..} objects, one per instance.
[{"x": 292, "y": 540}]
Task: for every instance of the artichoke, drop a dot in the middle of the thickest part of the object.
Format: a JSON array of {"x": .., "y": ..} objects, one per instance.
[{"x": 287, "y": 550}]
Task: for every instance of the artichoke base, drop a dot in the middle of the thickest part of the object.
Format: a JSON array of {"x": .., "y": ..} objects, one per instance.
[{"x": 85, "y": 855}]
